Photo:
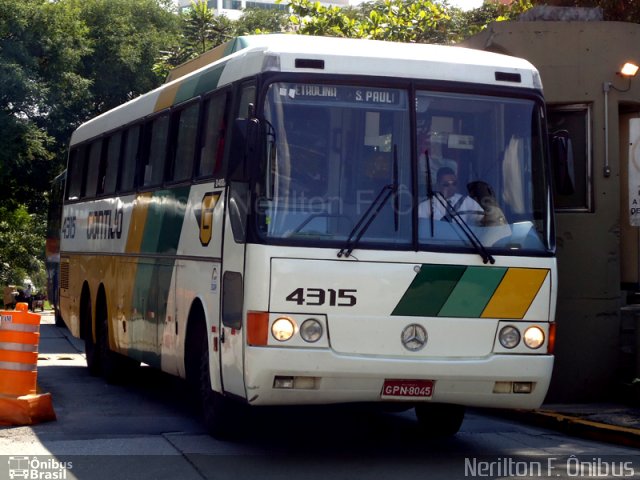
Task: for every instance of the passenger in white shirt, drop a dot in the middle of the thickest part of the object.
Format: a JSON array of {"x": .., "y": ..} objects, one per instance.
[{"x": 463, "y": 205}]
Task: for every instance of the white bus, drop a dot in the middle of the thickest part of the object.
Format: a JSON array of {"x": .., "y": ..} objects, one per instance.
[{"x": 280, "y": 223}]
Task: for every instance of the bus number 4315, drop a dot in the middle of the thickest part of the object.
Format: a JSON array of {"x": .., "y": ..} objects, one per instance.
[{"x": 343, "y": 297}]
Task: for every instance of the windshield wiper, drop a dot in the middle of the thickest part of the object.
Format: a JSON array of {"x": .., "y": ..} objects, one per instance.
[
  {"x": 369, "y": 215},
  {"x": 452, "y": 213},
  {"x": 466, "y": 229}
]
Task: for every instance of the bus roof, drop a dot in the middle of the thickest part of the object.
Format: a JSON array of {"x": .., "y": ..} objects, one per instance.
[{"x": 250, "y": 55}]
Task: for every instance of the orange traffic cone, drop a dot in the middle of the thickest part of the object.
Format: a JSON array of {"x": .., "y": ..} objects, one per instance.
[{"x": 19, "y": 339}]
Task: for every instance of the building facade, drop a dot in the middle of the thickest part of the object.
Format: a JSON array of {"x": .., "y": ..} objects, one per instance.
[{"x": 597, "y": 109}]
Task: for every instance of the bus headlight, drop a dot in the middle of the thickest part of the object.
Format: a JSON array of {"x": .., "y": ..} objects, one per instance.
[
  {"x": 509, "y": 337},
  {"x": 283, "y": 329},
  {"x": 311, "y": 330},
  {"x": 533, "y": 337}
]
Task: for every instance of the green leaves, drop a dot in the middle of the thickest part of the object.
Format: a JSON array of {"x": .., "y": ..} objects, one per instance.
[
  {"x": 419, "y": 21},
  {"x": 414, "y": 21},
  {"x": 62, "y": 62},
  {"x": 21, "y": 245}
]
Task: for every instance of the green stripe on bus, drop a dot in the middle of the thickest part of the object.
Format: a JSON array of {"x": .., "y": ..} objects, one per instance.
[
  {"x": 429, "y": 290},
  {"x": 209, "y": 81},
  {"x": 164, "y": 221},
  {"x": 150, "y": 292},
  {"x": 199, "y": 84},
  {"x": 473, "y": 292}
]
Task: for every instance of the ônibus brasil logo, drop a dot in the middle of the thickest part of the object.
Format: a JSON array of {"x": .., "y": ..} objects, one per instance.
[{"x": 34, "y": 468}]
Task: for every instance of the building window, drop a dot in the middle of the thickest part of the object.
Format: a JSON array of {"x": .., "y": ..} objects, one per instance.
[
  {"x": 570, "y": 143},
  {"x": 232, "y": 4}
]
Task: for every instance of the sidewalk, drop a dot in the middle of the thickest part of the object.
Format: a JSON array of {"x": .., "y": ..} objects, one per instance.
[{"x": 608, "y": 422}]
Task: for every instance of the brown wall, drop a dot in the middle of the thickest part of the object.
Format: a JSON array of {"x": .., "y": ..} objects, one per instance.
[{"x": 575, "y": 59}]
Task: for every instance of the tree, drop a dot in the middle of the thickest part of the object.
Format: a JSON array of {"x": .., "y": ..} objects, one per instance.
[
  {"x": 473, "y": 21},
  {"x": 39, "y": 47},
  {"x": 126, "y": 38},
  {"x": 199, "y": 30},
  {"x": 62, "y": 62},
  {"x": 261, "y": 20},
  {"x": 203, "y": 30},
  {"x": 420, "y": 21},
  {"x": 21, "y": 246}
]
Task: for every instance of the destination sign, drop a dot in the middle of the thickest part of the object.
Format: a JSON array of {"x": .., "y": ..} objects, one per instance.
[{"x": 339, "y": 93}]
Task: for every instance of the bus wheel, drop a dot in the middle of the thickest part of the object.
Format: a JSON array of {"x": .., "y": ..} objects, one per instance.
[
  {"x": 90, "y": 348},
  {"x": 439, "y": 419},
  {"x": 115, "y": 367},
  {"x": 218, "y": 411},
  {"x": 58, "y": 317}
]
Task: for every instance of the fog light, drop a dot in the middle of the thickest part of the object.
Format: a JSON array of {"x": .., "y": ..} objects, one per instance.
[
  {"x": 283, "y": 382},
  {"x": 304, "y": 383},
  {"x": 533, "y": 337},
  {"x": 502, "y": 387},
  {"x": 311, "y": 330},
  {"x": 522, "y": 387},
  {"x": 509, "y": 337},
  {"x": 283, "y": 329}
]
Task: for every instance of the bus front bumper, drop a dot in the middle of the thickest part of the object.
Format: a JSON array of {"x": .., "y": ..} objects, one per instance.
[{"x": 275, "y": 376}]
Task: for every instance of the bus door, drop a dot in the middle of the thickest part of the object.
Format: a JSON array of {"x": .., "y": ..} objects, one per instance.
[{"x": 233, "y": 250}]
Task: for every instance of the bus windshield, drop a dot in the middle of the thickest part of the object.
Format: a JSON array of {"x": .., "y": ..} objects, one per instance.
[{"x": 467, "y": 170}]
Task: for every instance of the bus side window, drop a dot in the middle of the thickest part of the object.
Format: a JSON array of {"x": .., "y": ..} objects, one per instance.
[
  {"x": 237, "y": 168},
  {"x": 186, "y": 123},
  {"x": 212, "y": 134},
  {"x": 93, "y": 167},
  {"x": 111, "y": 163},
  {"x": 77, "y": 159},
  {"x": 130, "y": 154},
  {"x": 154, "y": 163}
]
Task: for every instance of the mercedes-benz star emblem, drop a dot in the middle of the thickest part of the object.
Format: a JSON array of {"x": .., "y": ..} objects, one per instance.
[{"x": 414, "y": 337}]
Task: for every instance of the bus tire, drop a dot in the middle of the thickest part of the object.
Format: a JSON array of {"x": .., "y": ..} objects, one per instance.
[
  {"x": 90, "y": 348},
  {"x": 439, "y": 419},
  {"x": 115, "y": 367},
  {"x": 217, "y": 411},
  {"x": 58, "y": 317}
]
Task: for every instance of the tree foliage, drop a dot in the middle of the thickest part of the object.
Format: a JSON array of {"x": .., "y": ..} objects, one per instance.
[
  {"x": 21, "y": 244},
  {"x": 419, "y": 21},
  {"x": 201, "y": 30},
  {"x": 62, "y": 62},
  {"x": 40, "y": 47},
  {"x": 261, "y": 20},
  {"x": 125, "y": 37}
]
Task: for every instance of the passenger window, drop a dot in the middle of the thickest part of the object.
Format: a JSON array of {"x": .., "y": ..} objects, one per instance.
[
  {"x": 93, "y": 168},
  {"x": 187, "y": 124},
  {"x": 153, "y": 172},
  {"x": 76, "y": 172},
  {"x": 127, "y": 174},
  {"x": 213, "y": 132},
  {"x": 110, "y": 179}
]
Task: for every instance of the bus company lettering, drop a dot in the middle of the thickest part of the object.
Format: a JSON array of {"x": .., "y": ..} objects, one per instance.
[
  {"x": 105, "y": 224},
  {"x": 376, "y": 96}
]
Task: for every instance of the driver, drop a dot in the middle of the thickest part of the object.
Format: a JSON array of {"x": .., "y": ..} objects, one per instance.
[{"x": 463, "y": 205}]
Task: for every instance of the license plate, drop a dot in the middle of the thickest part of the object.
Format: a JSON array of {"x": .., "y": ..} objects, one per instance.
[{"x": 407, "y": 389}]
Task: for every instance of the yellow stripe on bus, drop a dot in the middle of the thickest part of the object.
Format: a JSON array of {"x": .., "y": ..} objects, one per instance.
[
  {"x": 516, "y": 292},
  {"x": 167, "y": 97},
  {"x": 138, "y": 221}
]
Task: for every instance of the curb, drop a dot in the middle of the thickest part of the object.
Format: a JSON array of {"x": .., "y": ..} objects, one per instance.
[{"x": 579, "y": 427}]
